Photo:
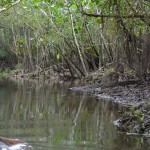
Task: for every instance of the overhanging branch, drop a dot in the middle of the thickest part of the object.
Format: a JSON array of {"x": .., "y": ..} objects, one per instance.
[
  {"x": 6, "y": 8},
  {"x": 116, "y": 16}
]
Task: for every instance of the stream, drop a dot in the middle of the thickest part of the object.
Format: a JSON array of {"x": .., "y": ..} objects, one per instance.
[{"x": 49, "y": 116}]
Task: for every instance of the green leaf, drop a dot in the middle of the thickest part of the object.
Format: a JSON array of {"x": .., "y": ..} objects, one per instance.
[
  {"x": 58, "y": 56},
  {"x": 36, "y": 1},
  {"x": 58, "y": 20},
  {"x": 60, "y": 3},
  {"x": 84, "y": 2},
  {"x": 78, "y": 25},
  {"x": 74, "y": 6},
  {"x": 98, "y": 20},
  {"x": 48, "y": 1},
  {"x": 96, "y": 1},
  {"x": 91, "y": 5}
]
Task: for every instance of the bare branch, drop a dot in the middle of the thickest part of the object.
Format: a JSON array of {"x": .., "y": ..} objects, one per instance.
[
  {"x": 4, "y": 8},
  {"x": 116, "y": 16}
]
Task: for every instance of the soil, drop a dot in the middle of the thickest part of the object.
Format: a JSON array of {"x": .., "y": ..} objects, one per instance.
[{"x": 130, "y": 95}]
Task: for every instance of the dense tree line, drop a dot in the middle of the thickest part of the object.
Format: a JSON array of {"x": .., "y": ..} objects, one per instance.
[{"x": 82, "y": 36}]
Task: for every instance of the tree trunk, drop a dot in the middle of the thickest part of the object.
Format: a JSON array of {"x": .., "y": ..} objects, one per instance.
[{"x": 78, "y": 48}]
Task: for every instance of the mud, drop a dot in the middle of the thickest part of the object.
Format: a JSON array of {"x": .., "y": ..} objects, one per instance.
[
  {"x": 130, "y": 95},
  {"x": 136, "y": 120}
]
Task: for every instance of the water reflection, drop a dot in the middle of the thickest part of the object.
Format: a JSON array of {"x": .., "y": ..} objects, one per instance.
[{"x": 49, "y": 116}]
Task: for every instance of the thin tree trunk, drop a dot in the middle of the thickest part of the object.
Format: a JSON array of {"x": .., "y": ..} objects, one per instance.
[
  {"x": 77, "y": 45},
  {"x": 14, "y": 38}
]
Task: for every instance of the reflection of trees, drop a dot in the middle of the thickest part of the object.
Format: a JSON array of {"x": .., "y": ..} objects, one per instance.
[
  {"x": 91, "y": 117},
  {"x": 50, "y": 113}
]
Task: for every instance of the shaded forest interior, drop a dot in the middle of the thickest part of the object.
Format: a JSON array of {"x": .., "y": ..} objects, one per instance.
[{"x": 75, "y": 38}]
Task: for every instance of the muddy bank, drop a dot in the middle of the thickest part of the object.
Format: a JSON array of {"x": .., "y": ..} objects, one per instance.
[
  {"x": 131, "y": 94},
  {"x": 136, "y": 120}
]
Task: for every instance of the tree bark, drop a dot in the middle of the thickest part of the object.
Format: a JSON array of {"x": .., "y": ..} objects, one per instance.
[
  {"x": 76, "y": 42},
  {"x": 116, "y": 15}
]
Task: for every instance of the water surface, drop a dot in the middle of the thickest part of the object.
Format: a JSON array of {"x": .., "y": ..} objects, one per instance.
[{"x": 49, "y": 116}]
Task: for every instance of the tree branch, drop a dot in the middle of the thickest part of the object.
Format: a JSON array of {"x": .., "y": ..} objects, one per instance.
[
  {"x": 6, "y": 8},
  {"x": 116, "y": 16}
]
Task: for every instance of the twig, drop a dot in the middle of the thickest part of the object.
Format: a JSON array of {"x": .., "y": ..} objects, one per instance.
[{"x": 4, "y": 8}]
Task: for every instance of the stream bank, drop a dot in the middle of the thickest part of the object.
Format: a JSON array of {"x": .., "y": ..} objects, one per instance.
[
  {"x": 136, "y": 120},
  {"x": 125, "y": 88},
  {"x": 132, "y": 93}
]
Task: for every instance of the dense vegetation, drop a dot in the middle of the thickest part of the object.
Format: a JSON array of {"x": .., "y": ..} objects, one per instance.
[{"x": 78, "y": 35}]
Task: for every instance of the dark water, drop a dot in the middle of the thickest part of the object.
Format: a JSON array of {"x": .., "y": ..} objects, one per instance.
[{"x": 48, "y": 116}]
